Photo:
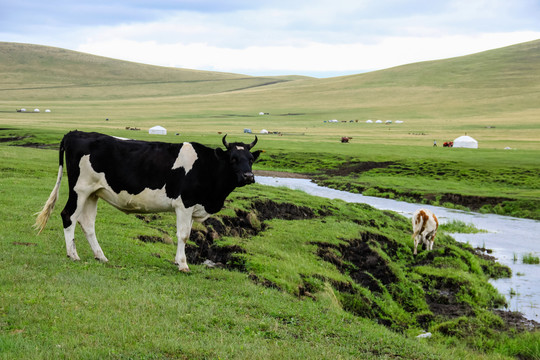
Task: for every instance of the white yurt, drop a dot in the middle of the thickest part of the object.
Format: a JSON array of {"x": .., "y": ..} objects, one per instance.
[
  {"x": 158, "y": 130},
  {"x": 465, "y": 142},
  {"x": 47, "y": 110},
  {"x": 378, "y": 122},
  {"x": 369, "y": 121},
  {"x": 36, "y": 110},
  {"x": 264, "y": 131}
]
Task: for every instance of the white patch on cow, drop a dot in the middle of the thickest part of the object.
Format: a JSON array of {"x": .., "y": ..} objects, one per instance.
[
  {"x": 186, "y": 157},
  {"x": 147, "y": 201},
  {"x": 239, "y": 148},
  {"x": 121, "y": 138}
]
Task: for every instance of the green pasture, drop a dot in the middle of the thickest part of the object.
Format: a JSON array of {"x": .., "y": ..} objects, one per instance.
[{"x": 280, "y": 297}]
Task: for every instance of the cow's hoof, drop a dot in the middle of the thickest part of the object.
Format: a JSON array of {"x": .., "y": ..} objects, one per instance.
[
  {"x": 74, "y": 257},
  {"x": 102, "y": 259}
]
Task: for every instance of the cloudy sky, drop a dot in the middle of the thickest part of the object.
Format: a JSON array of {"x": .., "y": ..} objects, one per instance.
[{"x": 273, "y": 37}]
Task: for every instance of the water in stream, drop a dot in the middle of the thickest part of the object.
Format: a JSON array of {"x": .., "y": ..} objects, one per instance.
[{"x": 509, "y": 238}]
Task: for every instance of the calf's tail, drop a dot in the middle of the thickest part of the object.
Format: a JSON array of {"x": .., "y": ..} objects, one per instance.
[
  {"x": 417, "y": 227},
  {"x": 45, "y": 213}
]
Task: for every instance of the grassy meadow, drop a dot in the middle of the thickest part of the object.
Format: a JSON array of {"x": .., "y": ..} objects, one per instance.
[{"x": 291, "y": 286}]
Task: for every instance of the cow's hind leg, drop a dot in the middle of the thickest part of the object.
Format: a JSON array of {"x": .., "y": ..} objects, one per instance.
[
  {"x": 87, "y": 220},
  {"x": 416, "y": 241},
  {"x": 69, "y": 219},
  {"x": 430, "y": 239},
  {"x": 184, "y": 222}
]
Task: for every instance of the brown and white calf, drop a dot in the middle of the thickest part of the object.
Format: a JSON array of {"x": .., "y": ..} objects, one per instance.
[{"x": 425, "y": 225}]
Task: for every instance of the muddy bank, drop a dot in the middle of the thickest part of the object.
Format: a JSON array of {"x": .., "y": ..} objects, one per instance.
[{"x": 281, "y": 174}]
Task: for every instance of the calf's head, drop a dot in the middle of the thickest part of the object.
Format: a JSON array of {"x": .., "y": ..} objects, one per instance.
[{"x": 240, "y": 160}]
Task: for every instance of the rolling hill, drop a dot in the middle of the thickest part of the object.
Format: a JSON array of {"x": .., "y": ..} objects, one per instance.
[
  {"x": 43, "y": 69},
  {"x": 492, "y": 95}
]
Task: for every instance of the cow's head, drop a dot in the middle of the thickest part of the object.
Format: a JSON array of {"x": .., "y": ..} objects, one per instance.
[{"x": 240, "y": 160}]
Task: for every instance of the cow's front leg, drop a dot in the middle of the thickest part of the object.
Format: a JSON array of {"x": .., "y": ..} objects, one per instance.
[{"x": 184, "y": 221}]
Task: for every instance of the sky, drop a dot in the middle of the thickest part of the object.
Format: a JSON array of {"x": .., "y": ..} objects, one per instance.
[{"x": 319, "y": 38}]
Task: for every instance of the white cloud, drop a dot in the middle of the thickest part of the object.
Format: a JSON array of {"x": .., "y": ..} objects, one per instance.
[{"x": 308, "y": 58}]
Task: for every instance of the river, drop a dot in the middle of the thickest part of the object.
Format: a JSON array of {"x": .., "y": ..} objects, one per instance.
[{"x": 508, "y": 237}]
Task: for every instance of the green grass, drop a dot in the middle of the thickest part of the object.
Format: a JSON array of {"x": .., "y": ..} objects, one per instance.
[
  {"x": 287, "y": 302},
  {"x": 531, "y": 258},
  {"x": 458, "y": 226}
]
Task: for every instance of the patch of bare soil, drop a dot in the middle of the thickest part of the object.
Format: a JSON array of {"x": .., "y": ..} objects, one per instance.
[
  {"x": 12, "y": 138},
  {"x": 24, "y": 243},
  {"x": 365, "y": 266},
  {"x": 268, "y": 209},
  {"x": 281, "y": 174},
  {"x": 155, "y": 239},
  {"x": 471, "y": 201},
  {"x": 442, "y": 301},
  {"x": 516, "y": 320},
  {"x": 27, "y": 144}
]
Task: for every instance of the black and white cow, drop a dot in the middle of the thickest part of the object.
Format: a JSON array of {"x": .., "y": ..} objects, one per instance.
[{"x": 145, "y": 177}]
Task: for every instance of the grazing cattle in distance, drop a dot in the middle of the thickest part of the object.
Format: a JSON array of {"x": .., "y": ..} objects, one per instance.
[
  {"x": 134, "y": 176},
  {"x": 425, "y": 225}
]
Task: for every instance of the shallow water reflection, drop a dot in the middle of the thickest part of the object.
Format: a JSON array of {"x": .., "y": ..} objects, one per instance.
[{"x": 508, "y": 237}]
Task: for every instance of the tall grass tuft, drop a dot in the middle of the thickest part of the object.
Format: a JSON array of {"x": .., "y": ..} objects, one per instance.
[
  {"x": 458, "y": 226},
  {"x": 530, "y": 258}
]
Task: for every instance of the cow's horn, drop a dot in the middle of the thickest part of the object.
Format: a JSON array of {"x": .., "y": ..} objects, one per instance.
[
  {"x": 225, "y": 143},
  {"x": 253, "y": 143}
]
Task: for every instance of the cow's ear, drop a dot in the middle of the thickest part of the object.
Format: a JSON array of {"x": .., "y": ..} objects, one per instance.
[
  {"x": 256, "y": 154},
  {"x": 220, "y": 154}
]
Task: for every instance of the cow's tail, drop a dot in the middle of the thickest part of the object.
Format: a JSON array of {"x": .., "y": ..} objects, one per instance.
[
  {"x": 417, "y": 227},
  {"x": 45, "y": 213}
]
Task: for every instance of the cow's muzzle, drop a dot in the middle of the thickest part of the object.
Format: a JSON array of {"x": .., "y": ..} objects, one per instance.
[{"x": 248, "y": 178}]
